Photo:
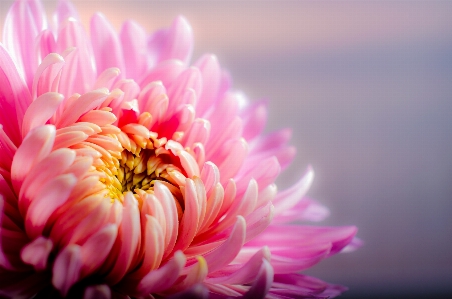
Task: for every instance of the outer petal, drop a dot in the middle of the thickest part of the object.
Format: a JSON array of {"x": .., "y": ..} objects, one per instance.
[
  {"x": 14, "y": 96},
  {"x": 105, "y": 40},
  {"x": 23, "y": 23}
]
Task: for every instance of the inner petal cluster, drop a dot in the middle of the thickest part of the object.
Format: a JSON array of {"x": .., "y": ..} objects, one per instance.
[{"x": 144, "y": 159}]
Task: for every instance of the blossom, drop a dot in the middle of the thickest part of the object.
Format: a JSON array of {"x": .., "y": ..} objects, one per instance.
[{"x": 126, "y": 172}]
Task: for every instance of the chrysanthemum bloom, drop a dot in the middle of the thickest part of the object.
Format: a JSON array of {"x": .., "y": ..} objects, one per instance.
[{"x": 126, "y": 172}]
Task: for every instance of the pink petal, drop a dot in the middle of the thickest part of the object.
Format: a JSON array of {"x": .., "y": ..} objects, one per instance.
[
  {"x": 172, "y": 223},
  {"x": 40, "y": 111},
  {"x": 254, "y": 120},
  {"x": 133, "y": 41},
  {"x": 36, "y": 145},
  {"x": 84, "y": 103},
  {"x": 195, "y": 274},
  {"x": 44, "y": 204},
  {"x": 236, "y": 152},
  {"x": 96, "y": 249},
  {"x": 241, "y": 273},
  {"x": 7, "y": 150},
  {"x": 14, "y": 96},
  {"x": 128, "y": 238},
  {"x": 47, "y": 76},
  {"x": 263, "y": 282},
  {"x": 211, "y": 77},
  {"x": 37, "y": 252},
  {"x": 178, "y": 43},
  {"x": 65, "y": 10},
  {"x": 66, "y": 268},
  {"x": 23, "y": 23},
  {"x": 105, "y": 40},
  {"x": 190, "y": 220},
  {"x": 164, "y": 277},
  {"x": 165, "y": 72},
  {"x": 227, "y": 251},
  {"x": 189, "y": 79},
  {"x": 199, "y": 131}
]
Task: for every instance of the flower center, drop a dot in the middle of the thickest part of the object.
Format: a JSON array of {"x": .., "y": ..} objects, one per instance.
[{"x": 141, "y": 163}]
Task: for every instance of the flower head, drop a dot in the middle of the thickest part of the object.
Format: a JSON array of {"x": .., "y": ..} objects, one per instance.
[{"x": 126, "y": 172}]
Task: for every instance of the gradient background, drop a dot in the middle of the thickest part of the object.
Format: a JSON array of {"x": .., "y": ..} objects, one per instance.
[{"x": 367, "y": 88}]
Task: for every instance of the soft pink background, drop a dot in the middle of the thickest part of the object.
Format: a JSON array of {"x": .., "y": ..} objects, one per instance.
[{"x": 367, "y": 88}]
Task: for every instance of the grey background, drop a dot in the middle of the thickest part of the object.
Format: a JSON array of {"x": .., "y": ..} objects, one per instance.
[{"x": 367, "y": 88}]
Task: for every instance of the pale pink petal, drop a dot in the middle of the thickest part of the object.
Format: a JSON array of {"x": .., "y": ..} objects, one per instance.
[
  {"x": 236, "y": 152},
  {"x": 107, "y": 78},
  {"x": 105, "y": 40},
  {"x": 287, "y": 199},
  {"x": 65, "y": 10},
  {"x": 165, "y": 72},
  {"x": 254, "y": 120},
  {"x": 133, "y": 41},
  {"x": 189, "y": 79},
  {"x": 177, "y": 42},
  {"x": 44, "y": 45},
  {"x": 23, "y": 23},
  {"x": 199, "y": 131}
]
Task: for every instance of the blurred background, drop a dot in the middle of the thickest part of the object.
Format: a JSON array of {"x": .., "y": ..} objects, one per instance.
[{"x": 367, "y": 88}]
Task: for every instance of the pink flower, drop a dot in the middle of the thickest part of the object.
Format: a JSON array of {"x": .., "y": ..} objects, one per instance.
[{"x": 126, "y": 172}]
